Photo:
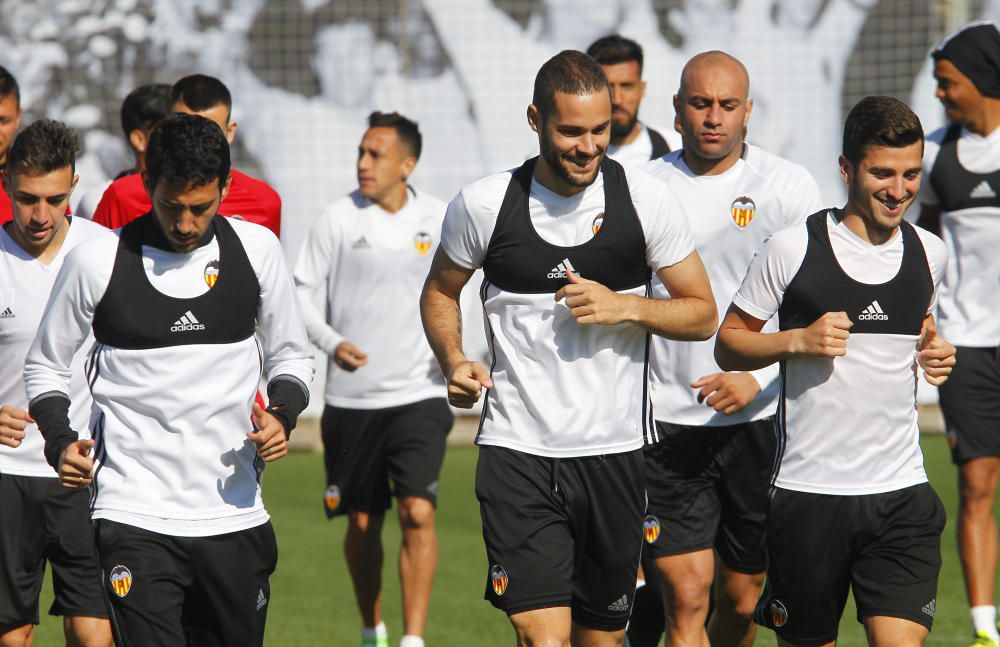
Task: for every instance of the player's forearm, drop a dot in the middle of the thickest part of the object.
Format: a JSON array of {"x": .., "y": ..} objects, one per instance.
[
  {"x": 320, "y": 332},
  {"x": 441, "y": 315},
  {"x": 683, "y": 319},
  {"x": 51, "y": 412},
  {"x": 745, "y": 350}
]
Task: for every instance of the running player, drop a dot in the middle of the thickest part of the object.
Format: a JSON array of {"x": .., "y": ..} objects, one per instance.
[
  {"x": 248, "y": 199},
  {"x": 42, "y": 522},
  {"x": 853, "y": 289},
  {"x": 960, "y": 202},
  {"x": 568, "y": 244},
  {"x": 142, "y": 109},
  {"x": 708, "y": 477},
  {"x": 10, "y": 119},
  {"x": 632, "y": 142},
  {"x": 386, "y": 416},
  {"x": 174, "y": 299}
]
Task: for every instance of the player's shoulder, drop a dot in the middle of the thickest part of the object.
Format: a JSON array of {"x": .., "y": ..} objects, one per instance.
[
  {"x": 430, "y": 204},
  {"x": 666, "y": 166},
  {"x": 774, "y": 167},
  {"x": 934, "y": 246},
  {"x": 791, "y": 241},
  {"x": 83, "y": 229},
  {"x": 483, "y": 197},
  {"x": 93, "y": 245},
  {"x": 255, "y": 238},
  {"x": 125, "y": 185}
]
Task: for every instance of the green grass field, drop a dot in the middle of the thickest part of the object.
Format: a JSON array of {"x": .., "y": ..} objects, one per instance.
[{"x": 312, "y": 604}]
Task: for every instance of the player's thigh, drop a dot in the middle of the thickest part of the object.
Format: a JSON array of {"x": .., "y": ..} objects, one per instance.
[
  {"x": 415, "y": 446},
  {"x": 683, "y": 509},
  {"x": 233, "y": 587},
  {"x": 896, "y": 572},
  {"x": 809, "y": 543},
  {"x": 526, "y": 529},
  {"x": 970, "y": 404},
  {"x": 354, "y": 457},
  {"x": 145, "y": 577},
  {"x": 22, "y": 546},
  {"x": 606, "y": 499},
  {"x": 894, "y": 632},
  {"x": 747, "y": 465},
  {"x": 76, "y": 578}
]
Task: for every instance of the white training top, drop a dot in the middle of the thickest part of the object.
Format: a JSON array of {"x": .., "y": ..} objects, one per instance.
[
  {"x": 25, "y": 284},
  {"x": 562, "y": 389},
  {"x": 173, "y": 420},
  {"x": 367, "y": 267},
  {"x": 730, "y": 215},
  {"x": 970, "y": 290},
  {"x": 850, "y": 423},
  {"x": 636, "y": 153}
]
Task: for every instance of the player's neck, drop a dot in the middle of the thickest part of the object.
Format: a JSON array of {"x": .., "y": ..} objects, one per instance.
[
  {"x": 395, "y": 199},
  {"x": 862, "y": 227},
  {"x": 629, "y": 137},
  {"x": 548, "y": 178},
  {"x": 989, "y": 119}
]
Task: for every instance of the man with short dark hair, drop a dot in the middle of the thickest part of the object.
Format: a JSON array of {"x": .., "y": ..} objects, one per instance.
[
  {"x": 960, "y": 202},
  {"x": 248, "y": 198},
  {"x": 386, "y": 417},
  {"x": 853, "y": 289},
  {"x": 10, "y": 119},
  {"x": 177, "y": 300},
  {"x": 632, "y": 142},
  {"x": 41, "y": 521},
  {"x": 568, "y": 244}
]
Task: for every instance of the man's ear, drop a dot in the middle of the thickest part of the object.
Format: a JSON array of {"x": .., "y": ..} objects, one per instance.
[{"x": 534, "y": 118}]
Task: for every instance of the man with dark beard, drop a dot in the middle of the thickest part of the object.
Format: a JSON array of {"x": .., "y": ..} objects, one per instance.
[
  {"x": 632, "y": 142},
  {"x": 568, "y": 244}
]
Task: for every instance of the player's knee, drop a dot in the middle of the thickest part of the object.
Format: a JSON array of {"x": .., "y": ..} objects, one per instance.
[
  {"x": 687, "y": 596},
  {"x": 529, "y": 640},
  {"x": 977, "y": 493},
  {"x": 88, "y": 632},
  {"x": 415, "y": 513},
  {"x": 364, "y": 522}
]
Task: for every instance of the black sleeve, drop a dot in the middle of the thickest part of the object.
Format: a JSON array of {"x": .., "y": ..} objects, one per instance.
[
  {"x": 51, "y": 412},
  {"x": 287, "y": 397}
]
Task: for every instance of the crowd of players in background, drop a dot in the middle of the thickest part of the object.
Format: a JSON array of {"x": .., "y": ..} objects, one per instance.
[{"x": 691, "y": 449}]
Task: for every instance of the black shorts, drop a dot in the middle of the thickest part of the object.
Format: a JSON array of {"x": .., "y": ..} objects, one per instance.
[
  {"x": 366, "y": 449},
  {"x": 885, "y": 547},
  {"x": 970, "y": 403},
  {"x": 167, "y": 591},
  {"x": 562, "y": 532},
  {"x": 42, "y": 521},
  {"x": 707, "y": 488}
]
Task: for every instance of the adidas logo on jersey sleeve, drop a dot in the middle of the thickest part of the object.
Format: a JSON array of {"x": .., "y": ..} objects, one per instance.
[
  {"x": 559, "y": 271},
  {"x": 7, "y": 314},
  {"x": 187, "y": 322},
  {"x": 873, "y": 313},
  {"x": 983, "y": 190}
]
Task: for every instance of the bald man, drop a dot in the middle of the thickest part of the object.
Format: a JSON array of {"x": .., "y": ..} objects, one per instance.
[{"x": 708, "y": 477}]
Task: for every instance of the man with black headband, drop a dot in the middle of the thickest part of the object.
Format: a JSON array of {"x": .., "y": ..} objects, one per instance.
[
  {"x": 960, "y": 202},
  {"x": 177, "y": 300}
]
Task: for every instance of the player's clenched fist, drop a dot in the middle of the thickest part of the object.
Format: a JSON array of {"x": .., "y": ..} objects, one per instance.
[
  {"x": 270, "y": 438},
  {"x": 590, "y": 302},
  {"x": 825, "y": 337},
  {"x": 935, "y": 355},
  {"x": 12, "y": 424},
  {"x": 466, "y": 382},
  {"x": 76, "y": 467}
]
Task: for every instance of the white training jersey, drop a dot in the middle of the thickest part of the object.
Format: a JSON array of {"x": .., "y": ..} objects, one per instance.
[
  {"x": 970, "y": 289},
  {"x": 850, "y": 423},
  {"x": 367, "y": 267},
  {"x": 25, "y": 284},
  {"x": 561, "y": 389},
  {"x": 730, "y": 215},
  {"x": 636, "y": 153},
  {"x": 171, "y": 422}
]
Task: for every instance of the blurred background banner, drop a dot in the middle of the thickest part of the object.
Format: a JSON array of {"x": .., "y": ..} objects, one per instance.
[{"x": 306, "y": 73}]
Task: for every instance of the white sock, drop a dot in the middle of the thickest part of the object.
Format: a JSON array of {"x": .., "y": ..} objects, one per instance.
[
  {"x": 411, "y": 641},
  {"x": 378, "y": 631},
  {"x": 984, "y": 619}
]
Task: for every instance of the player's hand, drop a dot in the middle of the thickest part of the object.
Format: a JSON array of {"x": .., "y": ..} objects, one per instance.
[
  {"x": 825, "y": 337},
  {"x": 12, "y": 424},
  {"x": 592, "y": 303},
  {"x": 466, "y": 382},
  {"x": 76, "y": 467},
  {"x": 935, "y": 355},
  {"x": 270, "y": 438},
  {"x": 727, "y": 392},
  {"x": 348, "y": 356}
]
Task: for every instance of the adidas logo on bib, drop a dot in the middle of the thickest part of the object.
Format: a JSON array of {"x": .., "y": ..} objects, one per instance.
[
  {"x": 621, "y": 604},
  {"x": 873, "y": 313},
  {"x": 983, "y": 190},
  {"x": 186, "y": 323},
  {"x": 559, "y": 271}
]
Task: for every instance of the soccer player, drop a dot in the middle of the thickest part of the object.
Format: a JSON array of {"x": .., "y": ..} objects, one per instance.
[
  {"x": 632, "y": 142},
  {"x": 568, "y": 243},
  {"x": 709, "y": 475},
  {"x": 142, "y": 109},
  {"x": 10, "y": 119},
  {"x": 960, "y": 201},
  {"x": 386, "y": 415},
  {"x": 42, "y": 522},
  {"x": 174, "y": 298},
  {"x": 853, "y": 289},
  {"x": 248, "y": 198}
]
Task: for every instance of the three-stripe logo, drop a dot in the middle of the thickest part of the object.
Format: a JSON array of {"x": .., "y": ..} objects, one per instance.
[
  {"x": 559, "y": 271},
  {"x": 873, "y": 313},
  {"x": 187, "y": 322}
]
